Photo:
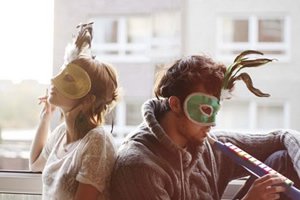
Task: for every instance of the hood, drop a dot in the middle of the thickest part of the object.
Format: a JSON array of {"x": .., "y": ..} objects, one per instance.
[{"x": 153, "y": 109}]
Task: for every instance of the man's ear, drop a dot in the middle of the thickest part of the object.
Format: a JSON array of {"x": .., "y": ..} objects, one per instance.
[{"x": 175, "y": 104}]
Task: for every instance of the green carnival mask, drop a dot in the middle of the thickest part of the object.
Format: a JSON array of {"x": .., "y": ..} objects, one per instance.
[
  {"x": 201, "y": 108},
  {"x": 73, "y": 82}
]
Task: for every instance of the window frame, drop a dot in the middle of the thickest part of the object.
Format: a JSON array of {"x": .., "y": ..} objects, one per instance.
[
  {"x": 146, "y": 49},
  {"x": 252, "y": 110},
  {"x": 253, "y": 42}
]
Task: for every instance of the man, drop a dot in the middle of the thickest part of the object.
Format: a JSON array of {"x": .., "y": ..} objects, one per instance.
[{"x": 168, "y": 156}]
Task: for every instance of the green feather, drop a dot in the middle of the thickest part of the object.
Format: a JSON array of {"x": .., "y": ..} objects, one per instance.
[{"x": 241, "y": 62}]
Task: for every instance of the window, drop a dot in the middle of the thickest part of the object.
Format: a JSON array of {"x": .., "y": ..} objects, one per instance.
[
  {"x": 26, "y": 69},
  {"x": 137, "y": 38},
  {"x": 135, "y": 44},
  {"x": 255, "y": 115},
  {"x": 133, "y": 113},
  {"x": 269, "y": 35}
]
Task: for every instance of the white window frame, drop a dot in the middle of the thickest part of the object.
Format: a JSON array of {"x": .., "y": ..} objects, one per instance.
[
  {"x": 253, "y": 42},
  {"x": 146, "y": 55},
  {"x": 253, "y": 109}
]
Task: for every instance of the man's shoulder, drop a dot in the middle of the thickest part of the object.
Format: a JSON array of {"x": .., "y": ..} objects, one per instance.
[
  {"x": 133, "y": 150},
  {"x": 133, "y": 153}
]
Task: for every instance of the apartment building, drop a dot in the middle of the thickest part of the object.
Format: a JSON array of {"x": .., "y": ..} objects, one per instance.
[{"x": 138, "y": 37}]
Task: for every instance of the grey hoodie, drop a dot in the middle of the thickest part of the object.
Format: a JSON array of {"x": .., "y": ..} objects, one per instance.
[{"x": 151, "y": 167}]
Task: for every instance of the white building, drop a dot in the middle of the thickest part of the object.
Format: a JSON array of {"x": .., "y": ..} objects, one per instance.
[{"x": 138, "y": 36}]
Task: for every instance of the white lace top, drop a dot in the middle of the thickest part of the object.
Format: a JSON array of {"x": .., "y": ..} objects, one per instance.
[{"x": 89, "y": 161}]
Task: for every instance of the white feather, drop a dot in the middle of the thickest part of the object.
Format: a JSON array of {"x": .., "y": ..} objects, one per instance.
[
  {"x": 71, "y": 53},
  {"x": 225, "y": 94}
]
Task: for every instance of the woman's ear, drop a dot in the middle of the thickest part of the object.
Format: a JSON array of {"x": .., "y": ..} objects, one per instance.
[
  {"x": 174, "y": 103},
  {"x": 92, "y": 98},
  {"x": 89, "y": 99}
]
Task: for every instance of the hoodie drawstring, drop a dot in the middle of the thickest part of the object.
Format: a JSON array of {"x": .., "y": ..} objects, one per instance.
[{"x": 182, "y": 177}]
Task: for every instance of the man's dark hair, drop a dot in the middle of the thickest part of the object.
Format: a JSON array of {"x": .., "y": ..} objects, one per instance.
[{"x": 187, "y": 73}]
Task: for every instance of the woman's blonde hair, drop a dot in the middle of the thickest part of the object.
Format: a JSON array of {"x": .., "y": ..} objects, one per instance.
[{"x": 104, "y": 87}]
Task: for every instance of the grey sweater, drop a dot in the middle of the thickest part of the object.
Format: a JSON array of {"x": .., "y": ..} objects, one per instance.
[{"x": 151, "y": 167}]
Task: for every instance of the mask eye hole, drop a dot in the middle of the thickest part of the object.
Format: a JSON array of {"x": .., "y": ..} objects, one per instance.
[
  {"x": 206, "y": 110},
  {"x": 68, "y": 78}
]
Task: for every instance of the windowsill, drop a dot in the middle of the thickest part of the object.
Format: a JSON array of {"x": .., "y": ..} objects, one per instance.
[
  {"x": 20, "y": 182},
  {"x": 30, "y": 183}
]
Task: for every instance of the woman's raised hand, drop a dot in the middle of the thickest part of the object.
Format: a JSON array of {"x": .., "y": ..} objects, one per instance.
[{"x": 48, "y": 108}]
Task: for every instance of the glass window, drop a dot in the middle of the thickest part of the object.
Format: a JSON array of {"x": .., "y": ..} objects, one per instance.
[
  {"x": 139, "y": 29},
  {"x": 26, "y": 69},
  {"x": 166, "y": 25},
  {"x": 235, "y": 30},
  {"x": 133, "y": 113},
  {"x": 244, "y": 115},
  {"x": 270, "y": 30},
  {"x": 137, "y": 37},
  {"x": 233, "y": 115},
  {"x": 266, "y": 34},
  {"x": 270, "y": 116},
  {"x": 107, "y": 31}
]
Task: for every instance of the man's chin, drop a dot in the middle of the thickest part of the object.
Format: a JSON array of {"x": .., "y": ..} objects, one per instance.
[{"x": 197, "y": 142}]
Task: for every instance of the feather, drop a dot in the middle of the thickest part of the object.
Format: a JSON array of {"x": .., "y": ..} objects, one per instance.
[
  {"x": 248, "y": 81},
  {"x": 81, "y": 45},
  {"x": 241, "y": 62},
  {"x": 247, "y": 52}
]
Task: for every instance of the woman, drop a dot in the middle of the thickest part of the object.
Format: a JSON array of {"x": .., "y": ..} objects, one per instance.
[{"x": 77, "y": 159}]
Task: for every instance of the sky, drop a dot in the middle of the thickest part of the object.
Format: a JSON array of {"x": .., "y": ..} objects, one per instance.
[{"x": 26, "y": 40}]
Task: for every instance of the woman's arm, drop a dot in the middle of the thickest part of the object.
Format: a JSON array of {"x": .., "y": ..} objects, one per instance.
[
  {"x": 36, "y": 160},
  {"x": 86, "y": 192}
]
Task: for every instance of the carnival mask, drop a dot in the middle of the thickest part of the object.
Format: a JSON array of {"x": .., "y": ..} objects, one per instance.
[
  {"x": 201, "y": 108},
  {"x": 73, "y": 82}
]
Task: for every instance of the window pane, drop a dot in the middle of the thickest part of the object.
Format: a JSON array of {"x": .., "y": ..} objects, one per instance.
[
  {"x": 26, "y": 69},
  {"x": 133, "y": 113},
  {"x": 235, "y": 30},
  {"x": 18, "y": 122},
  {"x": 233, "y": 115},
  {"x": 270, "y": 30},
  {"x": 139, "y": 29},
  {"x": 269, "y": 117},
  {"x": 107, "y": 31},
  {"x": 166, "y": 25}
]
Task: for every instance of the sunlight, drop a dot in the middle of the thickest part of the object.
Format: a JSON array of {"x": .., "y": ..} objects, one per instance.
[{"x": 26, "y": 40}]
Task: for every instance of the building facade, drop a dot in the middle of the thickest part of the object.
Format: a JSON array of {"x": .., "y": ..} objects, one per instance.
[{"x": 138, "y": 37}]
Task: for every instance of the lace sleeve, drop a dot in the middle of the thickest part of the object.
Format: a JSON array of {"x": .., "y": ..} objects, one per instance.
[{"x": 98, "y": 158}]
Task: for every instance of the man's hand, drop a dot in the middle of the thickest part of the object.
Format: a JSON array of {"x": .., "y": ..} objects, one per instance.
[{"x": 266, "y": 187}]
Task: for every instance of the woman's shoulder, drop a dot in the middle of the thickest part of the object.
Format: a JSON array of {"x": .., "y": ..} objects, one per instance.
[
  {"x": 58, "y": 131},
  {"x": 99, "y": 137},
  {"x": 98, "y": 133}
]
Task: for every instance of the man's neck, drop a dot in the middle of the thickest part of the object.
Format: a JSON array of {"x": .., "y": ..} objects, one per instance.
[{"x": 169, "y": 123}]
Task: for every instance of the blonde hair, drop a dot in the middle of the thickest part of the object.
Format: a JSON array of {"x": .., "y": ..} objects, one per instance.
[{"x": 104, "y": 86}]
